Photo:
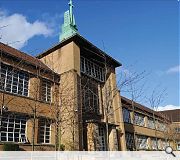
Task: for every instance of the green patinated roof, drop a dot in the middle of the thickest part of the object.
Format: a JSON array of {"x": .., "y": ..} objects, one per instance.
[{"x": 69, "y": 27}]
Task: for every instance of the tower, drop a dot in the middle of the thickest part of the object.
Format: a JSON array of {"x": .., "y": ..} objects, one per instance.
[{"x": 69, "y": 27}]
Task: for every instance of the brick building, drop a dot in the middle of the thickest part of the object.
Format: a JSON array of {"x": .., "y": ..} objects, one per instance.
[
  {"x": 146, "y": 129},
  {"x": 67, "y": 96}
]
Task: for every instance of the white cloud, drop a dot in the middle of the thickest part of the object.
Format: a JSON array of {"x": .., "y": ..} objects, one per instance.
[
  {"x": 19, "y": 30},
  {"x": 168, "y": 107},
  {"x": 175, "y": 69}
]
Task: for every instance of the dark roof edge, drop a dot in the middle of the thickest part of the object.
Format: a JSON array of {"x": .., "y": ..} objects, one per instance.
[
  {"x": 25, "y": 58},
  {"x": 64, "y": 42},
  {"x": 146, "y": 108}
]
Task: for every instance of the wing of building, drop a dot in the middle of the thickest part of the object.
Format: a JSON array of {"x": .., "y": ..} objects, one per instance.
[
  {"x": 174, "y": 116},
  {"x": 66, "y": 98},
  {"x": 146, "y": 129}
]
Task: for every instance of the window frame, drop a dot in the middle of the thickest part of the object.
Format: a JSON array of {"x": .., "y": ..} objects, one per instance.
[
  {"x": 11, "y": 82},
  {"x": 46, "y": 91},
  {"x": 45, "y": 123}
]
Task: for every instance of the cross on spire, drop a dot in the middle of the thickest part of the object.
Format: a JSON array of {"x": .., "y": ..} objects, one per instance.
[
  {"x": 69, "y": 27},
  {"x": 71, "y": 11}
]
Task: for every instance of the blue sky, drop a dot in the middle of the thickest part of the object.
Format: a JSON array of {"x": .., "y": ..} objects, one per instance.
[{"x": 138, "y": 33}]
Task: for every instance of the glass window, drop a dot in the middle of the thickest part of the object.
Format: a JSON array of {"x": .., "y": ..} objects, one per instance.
[
  {"x": 129, "y": 141},
  {"x": 150, "y": 123},
  {"x": 141, "y": 142},
  {"x": 90, "y": 95},
  {"x": 102, "y": 139},
  {"x": 13, "y": 81},
  {"x": 138, "y": 119},
  {"x": 126, "y": 115},
  {"x": 13, "y": 129},
  {"x": 91, "y": 69},
  {"x": 46, "y": 91},
  {"x": 160, "y": 126},
  {"x": 44, "y": 131},
  {"x": 154, "y": 143}
]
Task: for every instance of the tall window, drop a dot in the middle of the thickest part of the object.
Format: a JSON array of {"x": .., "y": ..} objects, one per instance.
[
  {"x": 141, "y": 142},
  {"x": 126, "y": 115},
  {"x": 129, "y": 141},
  {"x": 44, "y": 131},
  {"x": 102, "y": 139},
  {"x": 46, "y": 90},
  {"x": 13, "y": 128},
  {"x": 138, "y": 119},
  {"x": 90, "y": 95},
  {"x": 154, "y": 143},
  {"x": 13, "y": 81},
  {"x": 91, "y": 69},
  {"x": 150, "y": 123}
]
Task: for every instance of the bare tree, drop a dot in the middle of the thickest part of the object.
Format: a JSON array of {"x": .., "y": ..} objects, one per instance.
[
  {"x": 64, "y": 112},
  {"x": 5, "y": 100},
  {"x": 155, "y": 99},
  {"x": 172, "y": 133},
  {"x": 132, "y": 83}
]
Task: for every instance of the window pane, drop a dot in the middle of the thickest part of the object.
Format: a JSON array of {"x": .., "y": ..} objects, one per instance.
[
  {"x": 12, "y": 80},
  {"x": 91, "y": 69},
  {"x": 46, "y": 90},
  {"x": 44, "y": 131},
  {"x": 126, "y": 115},
  {"x": 138, "y": 119},
  {"x": 10, "y": 128}
]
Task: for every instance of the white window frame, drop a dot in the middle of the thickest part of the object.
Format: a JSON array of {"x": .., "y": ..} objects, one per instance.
[
  {"x": 150, "y": 123},
  {"x": 141, "y": 142},
  {"x": 7, "y": 132},
  {"x": 46, "y": 94},
  {"x": 139, "y": 119},
  {"x": 154, "y": 143},
  {"x": 12, "y": 71},
  {"x": 44, "y": 133},
  {"x": 92, "y": 69}
]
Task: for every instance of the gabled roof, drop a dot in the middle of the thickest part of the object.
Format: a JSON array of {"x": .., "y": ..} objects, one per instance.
[
  {"x": 23, "y": 56},
  {"x": 127, "y": 103},
  {"x": 81, "y": 42}
]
